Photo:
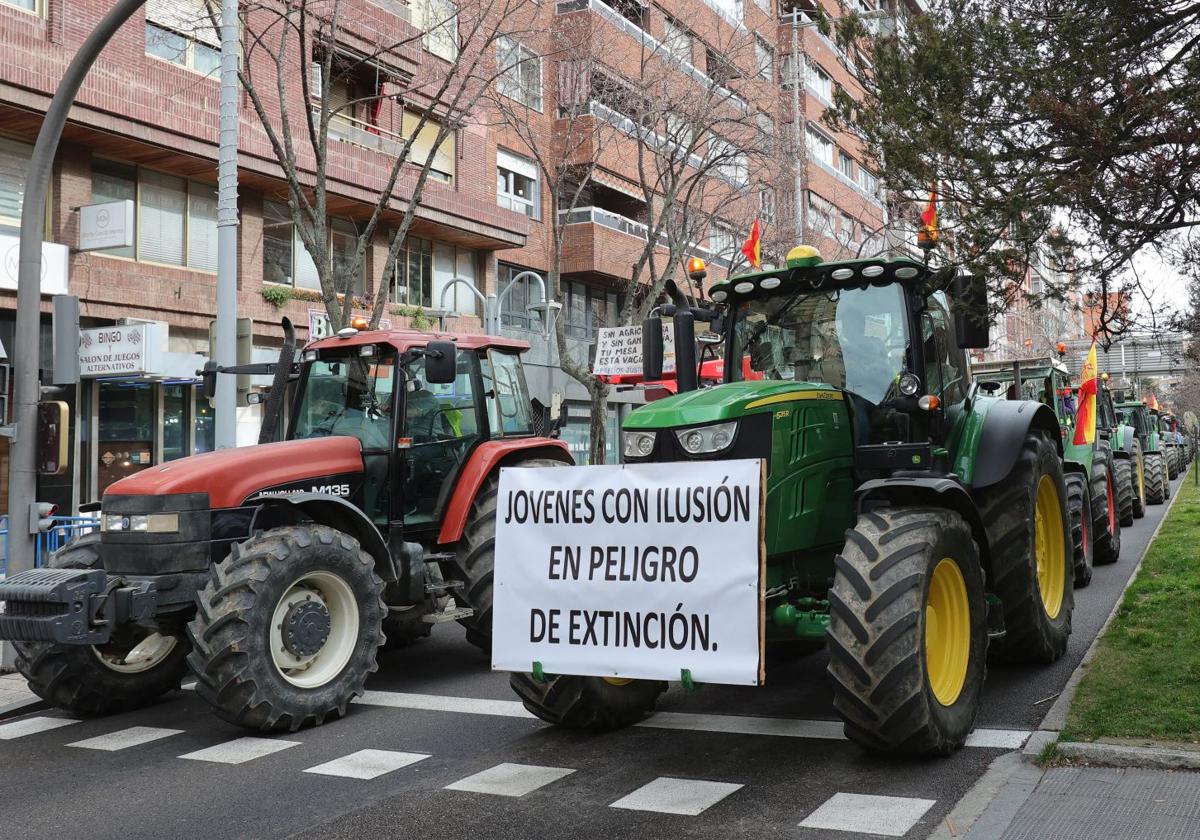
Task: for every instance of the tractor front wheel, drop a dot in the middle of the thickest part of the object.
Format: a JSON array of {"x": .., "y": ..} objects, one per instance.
[
  {"x": 1106, "y": 524},
  {"x": 287, "y": 628},
  {"x": 136, "y": 667},
  {"x": 1079, "y": 507},
  {"x": 1123, "y": 481},
  {"x": 596, "y": 703},
  {"x": 1025, "y": 516},
  {"x": 908, "y": 631},
  {"x": 474, "y": 560},
  {"x": 1158, "y": 489},
  {"x": 1137, "y": 477}
]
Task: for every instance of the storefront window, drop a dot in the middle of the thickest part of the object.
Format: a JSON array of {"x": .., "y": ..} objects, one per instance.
[
  {"x": 175, "y": 421},
  {"x": 577, "y": 434},
  {"x": 205, "y": 441},
  {"x": 126, "y": 430}
]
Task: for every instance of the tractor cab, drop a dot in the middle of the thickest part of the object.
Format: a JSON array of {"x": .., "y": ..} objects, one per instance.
[{"x": 1041, "y": 379}]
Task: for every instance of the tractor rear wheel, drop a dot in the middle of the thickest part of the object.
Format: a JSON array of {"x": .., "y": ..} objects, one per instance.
[
  {"x": 1079, "y": 507},
  {"x": 136, "y": 667},
  {"x": 596, "y": 703},
  {"x": 287, "y": 628},
  {"x": 1123, "y": 481},
  {"x": 1137, "y": 479},
  {"x": 1025, "y": 516},
  {"x": 474, "y": 560},
  {"x": 1157, "y": 487},
  {"x": 1106, "y": 523},
  {"x": 908, "y": 631},
  {"x": 1172, "y": 459}
]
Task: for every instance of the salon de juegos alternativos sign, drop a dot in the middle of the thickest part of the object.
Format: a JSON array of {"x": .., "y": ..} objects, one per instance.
[{"x": 631, "y": 571}]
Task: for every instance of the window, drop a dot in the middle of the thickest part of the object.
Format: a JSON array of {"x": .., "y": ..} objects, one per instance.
[
  {"x": 820, "y": 146},
  {"x": 181, "y": 32},
  {"x": 729, "y": 163},
  {"x": 766, "y": 131},
  {"x": 766, "y": 204},
  {"x": 819, "y": 82},
  {"x": 586, "y": 309},
  {"x": 508, "y": 407},
  {"x": 439, "y": 20},
  {"x": 176, "y": 219},
  {"x": 441, "y": 167},
  {"x": 946, "y": 371},
  {"x": 867, "y": 181},
  {"x": 765, "y": 5},
  {"x": 678, "y": 41},
  {"x": 633, "y": 11},
  {"x": 764, "y": 57},
  {"x": 517, "y": 186},
  {"x": 412, "y": 283},
  {"x": 520, "y": 73},
  {"x": 849, "y": 229},
  {"x": 514, "y": 308},
  {"x": 14, "y": 165},
  {"x": 718, "y": 67},
  {"x": 27, "y": 5},
  {"x": 820, "y": 214},
  {"x": 287, "y": 261},
  {"x": 846, "y": 165},
  {"x": 722, "y": 242}
]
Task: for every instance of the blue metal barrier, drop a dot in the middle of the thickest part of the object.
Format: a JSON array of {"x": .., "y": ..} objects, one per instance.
[{"x": 65, "y": 529}]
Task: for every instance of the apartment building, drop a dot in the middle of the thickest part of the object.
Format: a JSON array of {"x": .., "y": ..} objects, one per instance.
[{"x": 144, "y": 129}]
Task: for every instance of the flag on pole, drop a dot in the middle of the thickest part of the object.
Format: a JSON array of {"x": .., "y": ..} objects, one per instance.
[
  {"x": 928, "y": 235},
  {"x": 751, "y": 247},
  {"x": 1085, "y": 419},
  {"x": 1154, "y": 402}
]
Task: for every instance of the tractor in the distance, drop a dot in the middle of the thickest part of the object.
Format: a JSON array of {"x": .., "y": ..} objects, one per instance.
[
  {"x": 1136, "y": 415},
  {"x": 1128, "y": 464},
  {"x": 912, "y": 522},
  {"x": 274, "y": 572},
  {"x": 1095, "y": 490}
]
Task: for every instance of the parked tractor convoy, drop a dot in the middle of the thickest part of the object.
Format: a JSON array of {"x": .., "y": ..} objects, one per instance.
[{"x": 921, "y": 514}]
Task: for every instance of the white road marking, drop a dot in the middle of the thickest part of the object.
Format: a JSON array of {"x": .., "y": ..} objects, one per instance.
[
  {"x": 367, "y": 764},
  {"x": 893, "y": 816},
  {"x": 32, "y": 726},
  {"x": 240, "y": 750},
  {"x": 665, "y": 795},
  {"x": 830, "y": 730},
  {"x": 510, "y": 779},
  {"x": 132, "y": 737},
  {"x": 441, "y": 703},
  {"x": 1009, "y": 739}
]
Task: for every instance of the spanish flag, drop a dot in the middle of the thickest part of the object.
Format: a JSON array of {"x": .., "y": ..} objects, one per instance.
[
  {"x": 928, "y": 235},
  {"x": 1085, "y": 419},
  {"x": 1154, "y": 402},
  {"x": 751, "y": 246}
]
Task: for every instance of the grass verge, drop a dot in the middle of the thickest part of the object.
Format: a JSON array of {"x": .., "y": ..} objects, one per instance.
[{"x": 1144, "y": 679}]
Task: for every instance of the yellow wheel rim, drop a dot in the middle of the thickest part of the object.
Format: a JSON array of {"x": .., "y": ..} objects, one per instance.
[
  {"x": 947, "y": 632},
  {"x": 617, "y": 680},
  {"x": 1049, "y": 547},
  {"x": 1141, "y": 479}
]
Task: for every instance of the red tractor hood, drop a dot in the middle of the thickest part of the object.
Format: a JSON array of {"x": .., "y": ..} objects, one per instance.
[{"x": 231, "y": 475}]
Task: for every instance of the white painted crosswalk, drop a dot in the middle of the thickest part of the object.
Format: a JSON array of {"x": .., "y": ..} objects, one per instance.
[
  {"x": 891, "y": 816},
  {"x": 240, "y": 751},
  {"x": 687, "y": 797},
  {"x": 510, "y": 779},
  {"x": 32, "y": 726},
  {"x": 367, "y": 764},
  {"x": 123, "y": 739}
]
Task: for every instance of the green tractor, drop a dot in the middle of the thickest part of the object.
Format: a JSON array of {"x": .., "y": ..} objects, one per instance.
[
  {"x": 1155, "y": 477},
  {"x": 1128, "y": 468},
  {"x": 1170, "y": 441},
  {"x": 913, "y": 523}
]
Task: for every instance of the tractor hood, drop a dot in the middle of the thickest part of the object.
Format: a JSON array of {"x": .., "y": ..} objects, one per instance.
[
  {"x": 230, "y": 476},
  {"x": 726, "y": 402}
]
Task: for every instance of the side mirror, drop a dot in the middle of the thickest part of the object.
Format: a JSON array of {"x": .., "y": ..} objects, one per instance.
[
  {"x": 969, "y": 294},
  {"x": 441, "y": 366},
  {"x": 652, "y": 349},
  {"x": 208, "y": 379}
]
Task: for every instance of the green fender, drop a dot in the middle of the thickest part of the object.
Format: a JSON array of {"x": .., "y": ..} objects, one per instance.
[{"x": 989, "y": 438}]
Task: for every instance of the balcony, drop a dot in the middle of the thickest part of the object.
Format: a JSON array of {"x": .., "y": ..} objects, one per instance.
[
  {"x": 344, "y": 129},
  {"x": 598, "y": 241}
]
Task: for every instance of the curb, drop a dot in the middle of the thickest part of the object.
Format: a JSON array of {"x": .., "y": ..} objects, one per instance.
[{"x": 1120, "y": 755}]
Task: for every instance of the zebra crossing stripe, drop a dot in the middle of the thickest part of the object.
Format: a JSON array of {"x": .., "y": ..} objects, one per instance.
[
  {"x": 891, "y": 816},
  {"x": 687, "y": 797},
  {"x": 367, "y": 764},
  {"x": 510, "y": 779},
  {"x": 440, "y": 703},
  {"x": 32, "y": 726},
  {"x": 240, "y": 750},
  {"x": 134, "y": 736}
]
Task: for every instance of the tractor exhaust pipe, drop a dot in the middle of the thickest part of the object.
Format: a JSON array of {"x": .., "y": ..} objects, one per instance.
[
  {"x": 283, "y": 370},
  {"x": 686, "y": 377}
]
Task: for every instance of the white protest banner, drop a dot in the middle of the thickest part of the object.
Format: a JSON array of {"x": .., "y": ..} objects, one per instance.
[
  {"x": 619, "y": 350},
  {"x": 636, "y": 571}
]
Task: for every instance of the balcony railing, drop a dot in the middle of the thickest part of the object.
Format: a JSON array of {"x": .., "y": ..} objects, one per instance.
[
  {"x": 617, "y": 222},
  {"x": 627, "y": 125},
  {"x": 363, "y": 134}
]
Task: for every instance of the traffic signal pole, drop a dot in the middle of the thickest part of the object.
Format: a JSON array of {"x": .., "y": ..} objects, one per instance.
[
  {"x": 225, "y": 430},
  {"x": 22, "y": 477}
]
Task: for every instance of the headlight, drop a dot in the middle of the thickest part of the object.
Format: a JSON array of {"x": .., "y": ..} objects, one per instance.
[
  {"x": 637, "y": 444},
  {"x": 909, "y": 385},
  {"x": 707, "y": 439},
  {"x": 149, "y": 523}
]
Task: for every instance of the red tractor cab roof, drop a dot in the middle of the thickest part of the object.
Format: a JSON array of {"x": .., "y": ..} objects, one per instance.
[{"x": 406, "y": 339}]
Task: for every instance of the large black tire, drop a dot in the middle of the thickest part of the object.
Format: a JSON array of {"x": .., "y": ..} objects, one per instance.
[
  {"x": 1079, "y": 507},
  {"x": 1123, "y": 480},
  {"x": 1157, "y": 488},
  {"x": 233, "y": 656},
  {"x": 1138, "y": 480},
  {"x": 1036, "y": 627},
  {"x": 1172, "y": 459},
  {"x": 897, "y": 683},
  {"x": 88, "y": 680},
  {"x": 1106, "y": 523},
  {"x": 588, "y": 702},
  {"x": 474, "y": 560}
]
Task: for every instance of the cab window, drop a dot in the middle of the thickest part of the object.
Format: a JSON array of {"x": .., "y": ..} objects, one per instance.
[
  {"x": 508, "y": 408},
  {"x": 946, "y": 371}
]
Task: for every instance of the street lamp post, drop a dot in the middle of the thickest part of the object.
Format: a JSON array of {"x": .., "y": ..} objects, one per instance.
[{"x": 492, "y": 303}]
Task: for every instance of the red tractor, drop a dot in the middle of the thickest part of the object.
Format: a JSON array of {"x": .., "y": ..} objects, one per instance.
[{"x": 275, "y": 572}]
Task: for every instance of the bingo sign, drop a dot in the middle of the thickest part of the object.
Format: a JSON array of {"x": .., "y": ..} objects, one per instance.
[
  {"x": 119, "y": 351},
  {"x": 619, "y": 350},
  {"x": 631, "y": 571}
]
